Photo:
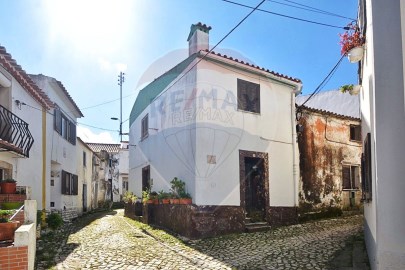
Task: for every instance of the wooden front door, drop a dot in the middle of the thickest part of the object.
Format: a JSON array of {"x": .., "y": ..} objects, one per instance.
[{"x": 255, "y": 201}]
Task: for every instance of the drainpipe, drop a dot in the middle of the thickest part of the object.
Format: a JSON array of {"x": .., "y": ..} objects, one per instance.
[
  {"x": 43, "y": 216},
  {"x": 294, "y": 144}
]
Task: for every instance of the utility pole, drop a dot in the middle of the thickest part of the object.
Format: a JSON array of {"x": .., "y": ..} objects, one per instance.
[{"x": 121, "y": 80}]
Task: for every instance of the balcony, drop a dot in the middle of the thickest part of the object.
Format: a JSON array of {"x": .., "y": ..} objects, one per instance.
[{"x": 14, "y": 134}]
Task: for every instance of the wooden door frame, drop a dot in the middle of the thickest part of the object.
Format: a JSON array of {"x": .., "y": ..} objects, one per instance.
[{"x": 242, "y": 174}]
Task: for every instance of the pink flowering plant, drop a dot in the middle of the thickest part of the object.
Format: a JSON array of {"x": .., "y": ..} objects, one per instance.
[{"x": 351, "y": 38}]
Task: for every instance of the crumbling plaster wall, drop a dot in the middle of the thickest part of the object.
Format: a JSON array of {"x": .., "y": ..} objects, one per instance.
[{"x": 325, "y": 146}]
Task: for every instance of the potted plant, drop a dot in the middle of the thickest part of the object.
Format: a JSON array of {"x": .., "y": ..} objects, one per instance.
[
  {"x": 146, "y": 196},
  {"x": 154, "y": 197},
  {"x": 185, "y": 198},
  {"x": 352, "y": 89},
  {"x": 129, "y": 197},
  {"x": 351, "y": 43},
  {"x": 8, "y": 186},
  {"x": 7, "y": 227},
  {"x": 164, "y": 197}
]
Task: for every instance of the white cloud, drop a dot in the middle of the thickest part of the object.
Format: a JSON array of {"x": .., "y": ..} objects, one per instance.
[{"x": 88, "y": 136}]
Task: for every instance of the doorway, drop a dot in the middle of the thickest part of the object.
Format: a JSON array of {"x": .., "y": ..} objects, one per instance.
[
  {"x": 84, "y": 198},
  {"x": 254, "y": 184}
]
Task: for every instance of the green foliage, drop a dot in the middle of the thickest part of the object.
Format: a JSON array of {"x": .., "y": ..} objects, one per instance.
[
  {"x": 11, "y": 205},
  {"x": 178, "y": 186},
  {"x": 4, "y": 215},
  {"x": 54, "y": 220},
  {"x": 8, "y": 180},
  {"x": 145, "y": 195},
  {"x": 164, "y": 195},
  {"x": 185, "y": 195},
  {"x": 346, "y": 88},
  {"x": 129, "y": 197}
]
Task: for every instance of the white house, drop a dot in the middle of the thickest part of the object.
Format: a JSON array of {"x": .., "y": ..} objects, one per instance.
[
  {"x": 227, "y": 129},
  {"x": 382, "y": 101},
  {"x": 85, "y": 175},
  {"x": 106, "y": 186},
  {"x": 62, "y": 187},
  {"x": 123, "y": 163},
  {"x": 23, "y": 107}
]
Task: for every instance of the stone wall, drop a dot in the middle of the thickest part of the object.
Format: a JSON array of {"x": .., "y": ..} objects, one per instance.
[{"x": 196, "y": 221}]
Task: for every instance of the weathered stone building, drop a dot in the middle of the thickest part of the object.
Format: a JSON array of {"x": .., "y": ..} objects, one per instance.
[{"x": 330, "y": 151}]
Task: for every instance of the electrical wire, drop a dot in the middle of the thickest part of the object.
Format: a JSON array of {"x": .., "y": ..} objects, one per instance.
[
  {"x": 212, "y": 49},
  {"x": 309, "y": 8},
  {"x": 97, "y": 127},
  {"x": 106, "y": 102},
  {"x": 323, "y": 83},
  {"x": 286, "y": 16}
]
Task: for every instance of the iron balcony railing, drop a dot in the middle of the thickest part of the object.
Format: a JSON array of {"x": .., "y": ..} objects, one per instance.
[{"x": 15, "y": 133}]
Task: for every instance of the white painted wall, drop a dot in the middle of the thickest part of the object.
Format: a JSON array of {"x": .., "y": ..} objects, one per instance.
[
  {"x": 382, "y": 107},
  {"x": 180, "y": 145},
  {"x": 27, "y": 171},
  {"x": 84, "y": 174},
  {"x": 61, "y": 154}
]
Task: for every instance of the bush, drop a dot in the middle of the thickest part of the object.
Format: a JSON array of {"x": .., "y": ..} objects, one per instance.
[
  {"x": 54, "y": 220},
  {"x": 11, "y": 205}
]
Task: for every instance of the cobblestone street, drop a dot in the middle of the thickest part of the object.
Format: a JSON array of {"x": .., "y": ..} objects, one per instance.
[{"x": 112, "y": 241}]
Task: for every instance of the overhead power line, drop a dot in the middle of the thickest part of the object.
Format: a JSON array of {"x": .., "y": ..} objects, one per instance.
[
  {"x": 286, "y": 16},
  {"x": 309, "y": 8},
  {"x": 324, "y": 81},
  {"x": 97, "y": 127},
  {"x": 212, "y": 49}
]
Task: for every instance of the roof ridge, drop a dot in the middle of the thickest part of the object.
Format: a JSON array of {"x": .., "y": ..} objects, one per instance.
[
  {"x": 254, "y": 66},
  {"x": 23, "y": 78}
]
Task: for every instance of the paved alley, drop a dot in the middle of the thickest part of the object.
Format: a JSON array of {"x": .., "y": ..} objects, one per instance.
[{"x": 111, "y": 241}]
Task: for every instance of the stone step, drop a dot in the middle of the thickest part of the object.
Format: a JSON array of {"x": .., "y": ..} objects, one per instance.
[{"x": 257, "y": 227}]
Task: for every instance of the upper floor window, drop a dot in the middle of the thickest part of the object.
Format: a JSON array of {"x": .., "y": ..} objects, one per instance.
[
  {"x": 84, "y": 159},
  {"x": 248, "y": 96},
  {"x": 355, "y": 133},
  {"x": 65, "y": 127},
  {"x": 145, "y": 127}
]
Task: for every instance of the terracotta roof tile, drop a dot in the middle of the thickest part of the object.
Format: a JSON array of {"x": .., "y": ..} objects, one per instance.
[
  {"x": 257, "y": 67},
  {"x": 23, "y": 78},
  {"x": 61, "y": 86},
  {"x": 109, "y": 147}
]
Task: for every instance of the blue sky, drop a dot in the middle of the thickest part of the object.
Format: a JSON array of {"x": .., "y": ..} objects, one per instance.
[{"x": 85, "y": 44}]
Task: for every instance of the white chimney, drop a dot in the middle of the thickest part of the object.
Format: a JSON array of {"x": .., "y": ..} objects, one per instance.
[{"x": 198, "y": 39}]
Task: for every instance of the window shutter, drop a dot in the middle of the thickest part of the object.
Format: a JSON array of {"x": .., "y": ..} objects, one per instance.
[
  {"x": 355, "y": 177},
  {"x": 58, "y": 120},
  {"x": 72, "y": 133},
  {"x": 248, "y": 96},
  {"x": 346, "y": 177},
  {"x": 63, "y": 182},
  {"x": 367, "y": 167},
  {"x": 75, "y": 181}
]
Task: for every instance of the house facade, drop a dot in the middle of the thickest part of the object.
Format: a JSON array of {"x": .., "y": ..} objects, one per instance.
[
  {"x": 62, "y": 185},
  {"x": 123, "y": 163},
  {"x": 105, "y": 180},
  {"x": 23, "y": 107},
  {"x": 85, "y": 175},
  {"x": 329, "y": 140},
  {"x": 227, "y": 129},
  {"x": 382, "y": 101}
]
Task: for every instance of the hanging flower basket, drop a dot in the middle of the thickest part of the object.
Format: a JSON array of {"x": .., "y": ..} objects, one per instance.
[
  {"x": 355, "y": 54},
  {"x": 351, "y": 43}
]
